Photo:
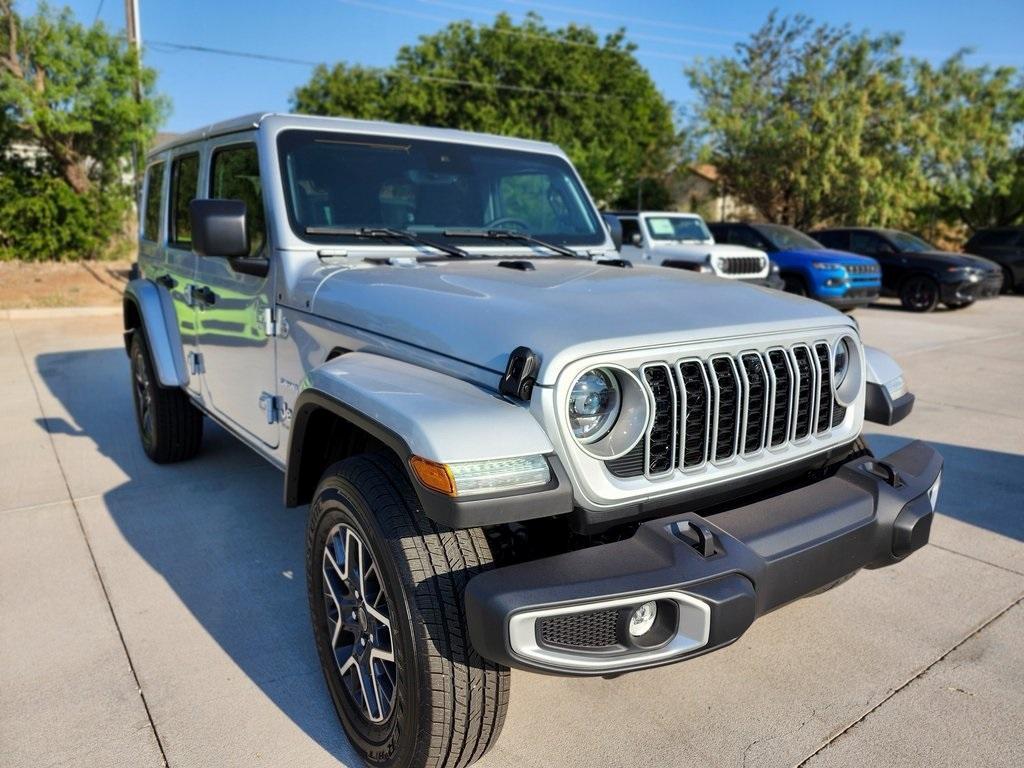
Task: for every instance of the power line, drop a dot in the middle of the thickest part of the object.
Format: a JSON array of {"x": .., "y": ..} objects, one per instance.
[
  {"x": 514, "y": 32},
  {"x": 661, "y": 23},
  {"x": 99, "y": 9},
  {"x": 630, "y": 35},
  {"x": 392, "y": 73}
]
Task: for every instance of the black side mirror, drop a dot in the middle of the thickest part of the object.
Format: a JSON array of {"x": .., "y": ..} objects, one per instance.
[
  {"x": 614, "y": 229},
  {"x": 218, "y": 228},
  {"x": 884, "y": 249}
]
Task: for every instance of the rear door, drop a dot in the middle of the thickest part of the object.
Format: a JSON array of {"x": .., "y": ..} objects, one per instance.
[{"x": 233, "y": 308}]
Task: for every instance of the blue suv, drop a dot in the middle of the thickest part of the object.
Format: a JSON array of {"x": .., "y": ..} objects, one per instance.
[{"x": 843, "y": 280}]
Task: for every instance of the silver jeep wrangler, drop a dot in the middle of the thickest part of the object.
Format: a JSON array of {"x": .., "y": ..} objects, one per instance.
[{"x": 517, "y": 449}]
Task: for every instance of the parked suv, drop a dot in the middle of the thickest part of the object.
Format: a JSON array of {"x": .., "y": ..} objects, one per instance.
[
  {"x": 683, "y": 241},
  {"x": 1005, "y": 246},
  {"x": 842, "y": 280},
  {"x": 916, "y": 271},
  {"x": 516, "y": 451}
]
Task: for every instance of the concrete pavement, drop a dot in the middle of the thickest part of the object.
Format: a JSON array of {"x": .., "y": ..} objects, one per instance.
[{"x": 159, "y": 613}]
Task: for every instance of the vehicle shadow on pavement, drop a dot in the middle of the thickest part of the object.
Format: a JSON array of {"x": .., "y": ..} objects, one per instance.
[
  {"x": 979, "y": 487},
  {"x": 216, "y": 531}
]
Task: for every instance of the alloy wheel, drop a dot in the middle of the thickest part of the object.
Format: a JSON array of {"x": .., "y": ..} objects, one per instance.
[
  {"x": 359, "y": 623},
  {"x": 143, "y": 396}
]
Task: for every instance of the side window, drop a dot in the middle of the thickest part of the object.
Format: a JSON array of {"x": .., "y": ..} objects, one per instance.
[
  {"x": 184, "y": 182},
  {"x": 840, "y": 241},
  {"x": 746, "y": 237},
  {"x": 235, "y": 175},
  {"x": 865, "y": 242},
  {"x": 630, "y": 228},
  {"x": 151, "y": 213}
]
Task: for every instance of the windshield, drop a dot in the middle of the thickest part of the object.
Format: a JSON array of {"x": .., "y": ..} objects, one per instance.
[
  {"x": 351, "y": 181},
  {"x": 788, "y": 239},
  {"x": 904, "y": 241},
  {"x": 677, "y": 228}
]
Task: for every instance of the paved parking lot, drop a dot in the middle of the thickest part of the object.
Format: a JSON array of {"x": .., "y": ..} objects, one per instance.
[{"x": 158, "y": 614}]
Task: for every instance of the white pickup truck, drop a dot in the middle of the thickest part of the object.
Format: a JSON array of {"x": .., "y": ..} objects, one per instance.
[{"x": 683, "y": 241}]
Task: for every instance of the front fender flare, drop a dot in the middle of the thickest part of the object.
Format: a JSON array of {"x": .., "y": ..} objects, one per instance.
[
  {"x": 416, "y": 411},
  {"x": 159, "y": 322},
  {"x": 887, "y": 399}
]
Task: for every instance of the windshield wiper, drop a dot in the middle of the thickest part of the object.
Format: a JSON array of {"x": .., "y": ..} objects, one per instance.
[
  {"x": 382, "y": 233},
  {"x": 511, "y": 234}
]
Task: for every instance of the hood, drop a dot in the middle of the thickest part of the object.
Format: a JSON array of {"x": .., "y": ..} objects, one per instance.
[
  {"x": 478, "y": 312},
  {"x": 826, "y": 255},
  {"x": 950, "y": 259}
]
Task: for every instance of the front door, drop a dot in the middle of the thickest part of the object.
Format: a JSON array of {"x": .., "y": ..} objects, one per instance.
[{"x": 235, "y": 341}]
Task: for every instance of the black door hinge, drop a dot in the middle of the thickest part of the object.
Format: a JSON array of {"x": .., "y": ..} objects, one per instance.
[{"x": 520, "y": 374}]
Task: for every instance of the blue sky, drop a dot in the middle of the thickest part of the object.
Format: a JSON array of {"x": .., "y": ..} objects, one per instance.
[{"x": 205, "y": 87}]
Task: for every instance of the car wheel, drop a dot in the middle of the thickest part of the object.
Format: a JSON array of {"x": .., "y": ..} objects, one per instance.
[
  {"x": 1008, "y": 282},
  {"x": 920, "y": 294},
  {"x": 170, "y": 427},
  {"x": 386, "y": 591},
  {"x": 795, "y": 285}
]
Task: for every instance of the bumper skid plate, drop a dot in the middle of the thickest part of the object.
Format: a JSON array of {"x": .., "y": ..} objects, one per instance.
[{"x": 707, "y": 591}]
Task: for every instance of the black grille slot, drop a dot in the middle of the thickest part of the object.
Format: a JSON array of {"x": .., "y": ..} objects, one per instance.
[
  {"x": 824, "y": 387},
  {"x": 595, "y": 629},
  {"x": 662, "y": 436},
  {"x": 742, "y": 265},
  {"x": 804, "y": 394},
  {"x": 729, "y": 394},
  {"x": 629, "y": 465},
  {"x": 757, "y": 392},
  {"x": 838, "y": 414},
  {"x": 783, "y": 392},
  {"x": 696, "y": 405}
]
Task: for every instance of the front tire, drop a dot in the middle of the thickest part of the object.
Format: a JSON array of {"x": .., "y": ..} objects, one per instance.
[
  {"x": 170, "y": 427},
  {"x": 796, "y": 286},
  {"x": 433, "y": 701},
  {"x": 919, "y": 294},
  {"x": 1009, "y": 285}
]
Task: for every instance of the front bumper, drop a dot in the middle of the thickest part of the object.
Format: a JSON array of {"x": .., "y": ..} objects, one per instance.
[
  {"x": 711, "y": 577},
  {"x": 967, "y": 291}
]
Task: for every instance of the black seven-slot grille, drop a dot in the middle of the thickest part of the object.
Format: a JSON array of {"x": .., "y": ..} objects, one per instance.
[
  {"x": 741, "y": 265},
  {"x": 716, "y": 409}
]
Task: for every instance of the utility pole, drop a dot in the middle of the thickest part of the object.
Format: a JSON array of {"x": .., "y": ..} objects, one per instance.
[{"x": 134, "y": 32}]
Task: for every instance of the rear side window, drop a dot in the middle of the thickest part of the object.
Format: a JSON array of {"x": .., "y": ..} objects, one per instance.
[
  {"x": 838, "y": 240},
  {"x": 746, "y": 237},
  {"x": 630, "y": 227},
  {"x": 235, "y": 175},
  {"x": 865, "y": 242},
  {"x": 992, "y": 238},
  {"x": 184, "y": 182},
  {"x": 154, "y": 190}
]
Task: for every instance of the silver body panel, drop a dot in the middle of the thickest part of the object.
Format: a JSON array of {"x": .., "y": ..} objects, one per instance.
[{"x": 425, "y": 345}]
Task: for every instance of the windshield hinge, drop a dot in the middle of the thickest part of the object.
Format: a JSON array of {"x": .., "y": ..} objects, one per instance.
[
  {"x": 273, "y": 323},
  {"x": 275, "y": 407},
  {"x": 195, "y": 363}
]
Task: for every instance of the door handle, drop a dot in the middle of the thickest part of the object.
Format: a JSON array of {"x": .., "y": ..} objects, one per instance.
[{"x": 201, "y": 294}]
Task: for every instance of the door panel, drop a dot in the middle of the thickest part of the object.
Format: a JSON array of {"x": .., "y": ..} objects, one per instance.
[{"x": 239, "y": 369}]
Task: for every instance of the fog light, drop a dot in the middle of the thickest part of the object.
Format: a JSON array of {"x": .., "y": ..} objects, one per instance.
[{"x": 642, "y": 619}]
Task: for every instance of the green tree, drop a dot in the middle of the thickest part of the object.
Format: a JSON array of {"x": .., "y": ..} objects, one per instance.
[
  {"x": 567, "y": 86},
  {"x": 973, "y": 124},
  {"x": 68, "y": 121},
  {"x": 810, "y": 123}
]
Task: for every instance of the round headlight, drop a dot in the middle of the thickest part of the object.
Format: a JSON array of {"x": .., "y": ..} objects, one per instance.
[
  {"x": 847, "y": 371},
  {"x": 841, "y": 362},
  {"x": 594, "y": 404}
]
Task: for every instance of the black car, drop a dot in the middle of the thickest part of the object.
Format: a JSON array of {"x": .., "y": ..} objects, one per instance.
[
  {"x": 917, "y": 272},
  {"x": 1005, "y": 246}
]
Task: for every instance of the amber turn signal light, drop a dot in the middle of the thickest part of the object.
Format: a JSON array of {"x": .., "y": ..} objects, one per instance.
[{"x": 435, "y": 476}]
